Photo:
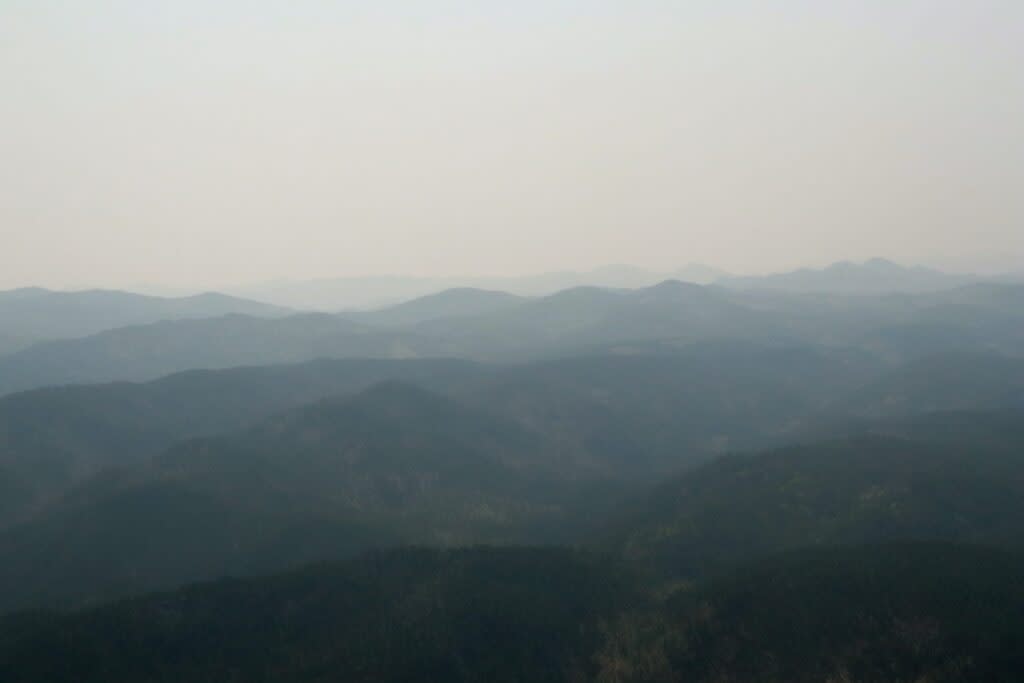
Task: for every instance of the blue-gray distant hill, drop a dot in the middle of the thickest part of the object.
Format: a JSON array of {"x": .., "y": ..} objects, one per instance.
[
  {"x": 459, "y": 323},
  {"x": 451, "y": 303},
  {"x": 144, "y": 352},
  {"x": 635, "y": 415},
  {"x": 876, "y": 276},
  {"x": 586, "y": 320},
  {"x": 363, "y": 293},
  {"x": 34, "y": 314}
]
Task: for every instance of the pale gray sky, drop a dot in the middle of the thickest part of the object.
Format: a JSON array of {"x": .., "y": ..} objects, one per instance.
[{"x": 195, "y": 143}]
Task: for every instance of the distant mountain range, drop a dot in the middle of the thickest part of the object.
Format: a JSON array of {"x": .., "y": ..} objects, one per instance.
[
  {"x": 495, "y": 326},
  {"x": 34, "y": 314},
  {"x": 150, "y": 351},
  {"x": 875, "y": 276},
  {"x": 450, "y": 303},
  {"x": 362, "y": 293}
]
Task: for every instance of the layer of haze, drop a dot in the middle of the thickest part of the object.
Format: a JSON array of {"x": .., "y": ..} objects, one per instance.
[{"x": 194, "y": 143}]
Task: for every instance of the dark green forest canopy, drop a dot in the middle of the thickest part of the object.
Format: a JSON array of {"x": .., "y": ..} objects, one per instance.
[
  {"x": 409, "y": 615},
  {"x": 394, "y": 463},
  {"x": 860, "y": 489},
  {"x": 879, "y": 613},
  {"x": 884, "y": 614}
]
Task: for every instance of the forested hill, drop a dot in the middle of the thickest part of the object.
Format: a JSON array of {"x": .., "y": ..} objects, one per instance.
[
  {"x": 886, "y": 614},
  {"x": 854, "y": 490}
]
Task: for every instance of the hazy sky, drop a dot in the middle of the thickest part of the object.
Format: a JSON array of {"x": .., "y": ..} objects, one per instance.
[{"x": 198, "y": 143}]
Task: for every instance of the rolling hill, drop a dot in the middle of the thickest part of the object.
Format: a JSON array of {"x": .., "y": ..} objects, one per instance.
[
  {"x": 393, "y": 463},
  {"x": 858, "y": 490},
  {"x": 875, "y": 276},
  {"x": 146, "y": 352},
  {"x": 495, "y": 327},
  {"x": 366, "y": 293},
  {"x": 628, "y": 416},
  {"x": 944, "y": 382},
  {"x": 458, "y": 615},
  {"x": 35, "y": 314},
  {"x": 450, "y": 303},
  {"x": 53, "y": 438}
]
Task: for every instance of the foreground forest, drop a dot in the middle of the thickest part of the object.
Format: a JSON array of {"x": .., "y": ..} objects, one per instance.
[
  {"x": 677, "y": 482},
  {"x": 908, "y": 612}
]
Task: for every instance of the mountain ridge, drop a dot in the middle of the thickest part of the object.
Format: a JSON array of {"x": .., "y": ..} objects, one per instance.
[
  {"x": 36, "y": 314},
  {"x": 874, "y": 276}
]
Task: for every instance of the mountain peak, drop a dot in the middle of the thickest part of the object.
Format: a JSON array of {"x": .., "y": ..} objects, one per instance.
[
  {"x": 448, "y": 303},
  {"x": 882, "y": 264},
  {"x": 670, "y": 290},
  {"x": 673, "y": 285}
]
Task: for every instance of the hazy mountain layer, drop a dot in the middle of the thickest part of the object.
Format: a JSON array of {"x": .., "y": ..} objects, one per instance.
[
  {"x": 450, "y": 303},
  {"x": 876, "y": 276},
  {"x": 496, "y": 327},
  {"x": 52, "y": 438},
  {"x": 150, "y": 351},
  {"x": 394, "y": 463},
  {"x": 943, "y": 382},
  {"x": 356, "y": 293},
  {"x": 622, "y": 415},
  {"x": 38, "y": 314}
]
